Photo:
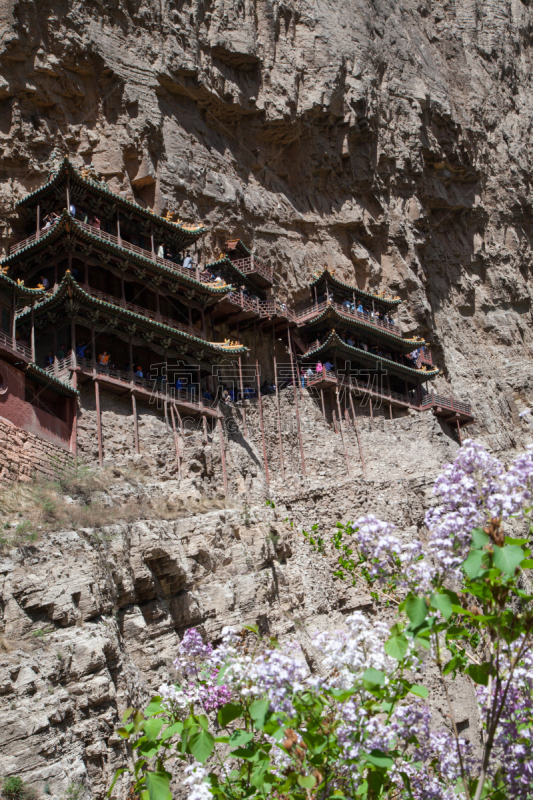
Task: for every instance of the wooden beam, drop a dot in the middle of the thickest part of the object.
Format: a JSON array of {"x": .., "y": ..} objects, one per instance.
[
  {"x": 135, "y": 423},
  {"x": 99, "y": 423}
]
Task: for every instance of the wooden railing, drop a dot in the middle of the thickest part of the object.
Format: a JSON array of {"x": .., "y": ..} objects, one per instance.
[
  {"x": 431, "y": 400},
  {"x": 367, "y": 317},
  {"x": 17, "y": 347},
  {"x": 252, "y": 264},
  {"x": 30, "y": 239},
  {"x": 144, "y": 312}
]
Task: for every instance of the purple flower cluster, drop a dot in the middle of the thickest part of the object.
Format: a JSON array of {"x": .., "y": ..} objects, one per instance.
[
  {"x": 513, "y": 745},
  {"x": 197, "y": 676},
  {"x": 472, "y": 490},
  {"x": 386, "y": 554}
]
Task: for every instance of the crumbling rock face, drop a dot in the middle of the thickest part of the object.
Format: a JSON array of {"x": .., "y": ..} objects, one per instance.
[{"x": 387, "y": 140}]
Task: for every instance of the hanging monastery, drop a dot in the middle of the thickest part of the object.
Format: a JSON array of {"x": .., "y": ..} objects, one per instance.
[{"x": 104, "y": 297}]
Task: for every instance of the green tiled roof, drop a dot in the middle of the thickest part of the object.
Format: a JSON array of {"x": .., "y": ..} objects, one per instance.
[
  {"x": 64, "y": 225},
  {"x": 68, "y": 282},
  {"x": 334, "y": 340},
  {"x": 407, "y": 344},
  {"x": 50, "y": 381},
  {"x": 333, "y": 281},
  {"x": 102, "y": 189},
  {"x": 225, "y": 261},
  {"x": 20, "y": 289}
]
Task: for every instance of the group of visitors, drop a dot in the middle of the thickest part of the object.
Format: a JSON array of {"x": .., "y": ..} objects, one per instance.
[
  {"x": 370, "y": 314},
  {"x": 308, "y": 374},
  {"x": 51, "y": 357},
  {"x": 49, "y": 220}
]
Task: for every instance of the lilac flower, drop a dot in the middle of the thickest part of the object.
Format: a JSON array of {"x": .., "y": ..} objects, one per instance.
[
  {"x": 474, "y": 489},
  {"x": 195, "y": 781},
  {"x": 386, "y": 554}
]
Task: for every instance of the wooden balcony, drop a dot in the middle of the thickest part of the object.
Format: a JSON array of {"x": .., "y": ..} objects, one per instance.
[
  {"x": 13, "y": 347},
  {"x": 308, "y": 314},
  {"x": 252, "y": 266}
]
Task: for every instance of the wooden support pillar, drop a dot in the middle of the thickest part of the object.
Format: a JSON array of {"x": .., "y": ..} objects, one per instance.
[
  {"x": 190, "y": 315},
  {"x": 242, "y": 398},
  {"x": 98, "y": 423},
  {"x": 204, "y": 332},
  {"x": 74, "y": 411},
  {"x": 130, "y": 356},
  {"x": 55, "y": 351},
  {"x": 282, "y": 468},
  {"x": 93, "y": 350},
  {"x": 323, "y": 403},
  {"x": 342, "y": 434},
  {"x": 334, "y": 417},
  {"x": 204, "y": 423},
  {"x": 118, "y": 227},
  {"x": 122, "y": 292},
  {"x": 371, "y": 411},
  {"x": 38, "y": 220},
  {"x": 223, "y": 455},
  {"x": 135, "y": 422},
  {"x": 32, "y": 334},
  {"x": 152, "y": 241},
  {"x": 260, "y": 402},
  {"x": 176, "y": 442},
  {"x": 459, "y": 432},
  {"x": 294, "y": 382},
  {"x": 390, "y": 411},
  {"x": 73, "y": 358},
  {"x": 357, "y": 435},
  {"x": 14, "y": 320}
]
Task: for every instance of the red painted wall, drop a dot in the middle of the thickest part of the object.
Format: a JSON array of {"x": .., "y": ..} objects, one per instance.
[{"x": 14, "y": 408}]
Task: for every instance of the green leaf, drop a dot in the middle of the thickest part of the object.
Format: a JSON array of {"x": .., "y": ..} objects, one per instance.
[
  {"x": 473, "y": 564},
  {"x": 442, "y": 603},
  {"x": 228, "y": 713},
  {"x": 416, "y": 609},
  {"x": 480, "y": 672},
  {"x": 253, "y": 628},
  {"x": 379, "y": 759},
  {"x": 508, "y": 558},
  {"x": 240, "y": 738},
  {"x": 258, "y": 711},
  {"x": 511, "y": 540},
  {"x": 176, "y": 728},
  {"x": 419, "y": 690},
  {"x": 479, "y": 538},
  {"x": 373, "y": 677},
  {"x": 118, "y": 772},
  {"x": 527, "y": 563},
  {"x": 306, "y": 781},
  {"x": 127, "y": 714},
  {"x": 203, "y": 722},
  {"x": 154, "y": 707},
  {"x": 397, "y": 646},
  {"x": 152, "y": 727},
  {"x": 201, "y": 745},
  {"x": 157, "y": 784}
]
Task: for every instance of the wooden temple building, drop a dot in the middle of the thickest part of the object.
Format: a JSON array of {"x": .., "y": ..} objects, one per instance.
[{"x": 104, "y": 293}]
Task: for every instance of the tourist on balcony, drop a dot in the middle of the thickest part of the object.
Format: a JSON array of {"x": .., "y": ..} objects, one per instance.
[
  {"x": 248, "y": 392},
  {"x": 96, "y": 223},
  {"x": 309, "y": 374},
  {"x": 62, "y": 352},
  {"x": 265, "y": 388},
  {"x": 45, "y": 283},
  {"x": 303, "y": 377},
  {"x": 49, "y": 360},
  {"x": 328, "y": 366},
  {"x": 360, "y": 308},
  {"x": 226, "y": 397},
  {"x": 347, "y": 305},
  {"x": 138, "y": 372},
  {"x": 319, "y": 369},
  {"x": 168, "y": 253},
  {"x": 103, "y": 358},
  {"x": 350, "y": 341},
  {"x": 206, "y": 394},
  {"x": 72, "y": 210},
  {"x": 161, "y": 251},
  {"x": 80, "y": 350},
  {"x": 187, "y": 261}
]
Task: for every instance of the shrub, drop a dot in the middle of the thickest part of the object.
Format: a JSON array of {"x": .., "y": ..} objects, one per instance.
[{"x": 12, "y": 787}]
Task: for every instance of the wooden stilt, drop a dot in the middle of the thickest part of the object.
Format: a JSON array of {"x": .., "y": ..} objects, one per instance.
[
  {"x": 334, "y": 417},
  {"x": 342, "y": 434},
  {"x": 99, "y": 423},
  {"x": 357, "y": 434},
  {"x": 223, "y": 455},
  {"x": 204, "y": 423},
  {"x": 260, "y": 403},
  {"x": 371, "y": 412},
  {"x": 242, "y": 398},
  {"x": 459, "y": 432},
  {"x": 390, "y": 411},
  {"x": 294, "y": 383},
  {"x": 135, "y": 423},
  {"x": 323, "y": 403},
  {"x": 74, "y": 429},
  {"x": 32, "y": 334},
  {"x": 14, "y": 320},
  {"x": 282, "y": 467},
  {"x": 176, "y": 442}
]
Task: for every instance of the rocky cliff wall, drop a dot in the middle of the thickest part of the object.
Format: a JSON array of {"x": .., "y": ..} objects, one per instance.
[{"x": 388, "y": 140}]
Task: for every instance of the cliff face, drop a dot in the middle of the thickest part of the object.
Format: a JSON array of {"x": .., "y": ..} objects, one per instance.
[{"x": 390, "y": 141}]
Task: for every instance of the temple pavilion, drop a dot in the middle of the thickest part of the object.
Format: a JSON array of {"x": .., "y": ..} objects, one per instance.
[{"x": 102, "y": 293}]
